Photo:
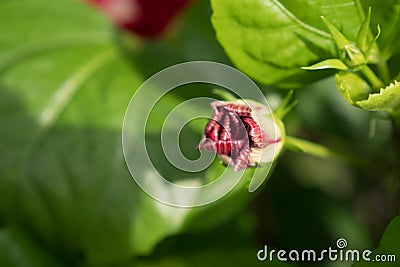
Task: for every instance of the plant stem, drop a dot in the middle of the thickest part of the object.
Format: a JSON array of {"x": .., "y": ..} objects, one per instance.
[
  {"x": 286, "y": 106},
  {"x": 372, "y": 78},
  {"x": 318, "y": 150},
  {"x": 383, "y": 70},
  {"x": 226, "y": 96}
]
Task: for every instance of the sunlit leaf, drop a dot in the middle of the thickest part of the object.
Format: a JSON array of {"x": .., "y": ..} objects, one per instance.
[
  {"x": 65, "y": 83},
  {"x": 64, "y": 87},
  {"x": 271, "y": 40},
  {"x": 328, "y": 64}
]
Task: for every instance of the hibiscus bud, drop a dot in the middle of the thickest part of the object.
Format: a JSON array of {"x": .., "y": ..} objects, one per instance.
[{"x": 242, "y": 133}]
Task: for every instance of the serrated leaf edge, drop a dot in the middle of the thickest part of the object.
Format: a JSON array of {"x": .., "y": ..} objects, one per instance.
[{"x": 392, "y": 86}]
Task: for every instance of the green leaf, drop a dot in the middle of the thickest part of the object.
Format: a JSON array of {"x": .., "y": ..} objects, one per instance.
[
  {"x": 366, "y": 42},
  {"x": 352, "y": 87},
  {"x": 271, "y": 40},
  {"x": 364, "y": 34},
  {"x": 348, "y": 51},
  {"x": 388, "y": 99},
  {"x": 18, "y": 250},
  {"x": 338, "y": 37},
  {"x": 64, "y": 88},
  {"x": 273, "y": 50},
  {"x": 389, "y": 245},
  {"x": 371, "y": 53},
  {"x": 386, "y": 14},
  {"x": 333, "y": 63}
]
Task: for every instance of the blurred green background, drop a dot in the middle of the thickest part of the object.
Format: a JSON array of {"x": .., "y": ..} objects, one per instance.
[{"x": 67, "y": 199}]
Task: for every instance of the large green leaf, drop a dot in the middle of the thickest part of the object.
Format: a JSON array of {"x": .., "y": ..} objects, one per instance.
[
  {"x": 388, "y": 251},
  {"x": 270, "y": 40},
  {"x": 64, "y": 88}
]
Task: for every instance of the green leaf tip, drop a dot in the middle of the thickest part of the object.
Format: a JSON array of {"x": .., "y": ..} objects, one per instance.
[
  {"x": 339, "y": 39},
  {"x": 332, "y": 63},
  {"x": 371, "y": 52},
  {"x": 365, "y": 40},
  {"x": 388, "y": 245},
  {"x": 349, "y": 52},
  {"x": 364, "y": 32}
]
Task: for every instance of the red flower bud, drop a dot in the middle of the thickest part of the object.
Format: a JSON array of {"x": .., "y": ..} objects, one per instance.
[{"x": 235, "y": 135}]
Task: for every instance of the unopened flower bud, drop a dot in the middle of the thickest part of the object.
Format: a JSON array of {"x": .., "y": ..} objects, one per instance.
[{"x": 242, "y": 133}]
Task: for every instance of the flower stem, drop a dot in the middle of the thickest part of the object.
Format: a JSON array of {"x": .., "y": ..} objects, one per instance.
[
  {"x": 372, "y": 78},
  {"x": 383, "y": 70},
  {"x": 318, "y": 150}
]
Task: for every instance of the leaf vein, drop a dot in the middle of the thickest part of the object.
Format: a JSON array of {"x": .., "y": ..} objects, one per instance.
[{"x": 302, "y": 24}]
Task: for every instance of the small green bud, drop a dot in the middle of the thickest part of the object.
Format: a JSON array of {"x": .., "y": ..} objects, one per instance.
[
  {"x": 353, "y": 56},
  {"x": 352, "y": 87},
  {"x": 349, "y": 53}
]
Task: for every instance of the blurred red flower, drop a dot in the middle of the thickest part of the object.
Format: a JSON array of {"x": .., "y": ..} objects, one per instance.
[{"x": 146, "y": 18}]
